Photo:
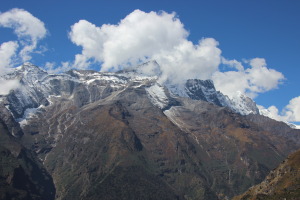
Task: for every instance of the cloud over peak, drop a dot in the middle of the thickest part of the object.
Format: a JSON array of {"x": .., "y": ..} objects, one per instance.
[
  {"x": 141, "y": 37},
  {"x": 138, "y": 36},
  {"x": 161, "y": 36}
]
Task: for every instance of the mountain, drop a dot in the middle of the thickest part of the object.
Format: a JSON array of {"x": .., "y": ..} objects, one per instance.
[
  {"x": 282, "y": 182},
  {"x": 126, "y": 135},
  {"x": 22, "y": 176},
  {"x": 205, "y": 90}
]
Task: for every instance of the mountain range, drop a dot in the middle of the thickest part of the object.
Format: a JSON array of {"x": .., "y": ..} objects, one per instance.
[{"x": 126, "y": 135}]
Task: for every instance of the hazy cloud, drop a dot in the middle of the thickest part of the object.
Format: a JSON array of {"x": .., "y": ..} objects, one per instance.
[
  {"x": 7, "y": 85},
  {"x": 28, "y": 29},
  {"x": 53, "y": 68},
  {"x": 233, "y": 64}
]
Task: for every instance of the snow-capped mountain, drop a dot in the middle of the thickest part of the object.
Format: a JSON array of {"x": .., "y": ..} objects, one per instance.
[
  {"x": 127, "y": 131},
  {"x": 205, "y": 90},
  {"x": 37, "y": 87}
]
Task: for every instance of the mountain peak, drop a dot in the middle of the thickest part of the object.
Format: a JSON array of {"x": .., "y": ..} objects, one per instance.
[
  {"x": 195, "y": 89},
  {"x": 30, "y": 68},
  {"x": 202, "y": 90},
  {"x": 205, "y": 90}
]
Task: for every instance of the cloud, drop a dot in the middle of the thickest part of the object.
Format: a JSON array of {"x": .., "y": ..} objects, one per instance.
[
  {"x": 28, "y": 29},
  {"x": 189, "y": 61},
  {"x": 161, "y": 36},
  {"x": 290, "y": 113},
  {"x": 255, "y": 79},
  {"x": 52, "y": 68},
  {"x": 292, "y": 110},
  {"x": 141, "y": 37},
  {"x": 271, "y": 112},
  {"x": 233, "y": 64},
  {"x": 8, "y": 85},
  {"x": 7, "y": 52}
]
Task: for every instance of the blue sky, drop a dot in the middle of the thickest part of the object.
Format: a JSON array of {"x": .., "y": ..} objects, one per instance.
[{"x": 244, "y": 30}]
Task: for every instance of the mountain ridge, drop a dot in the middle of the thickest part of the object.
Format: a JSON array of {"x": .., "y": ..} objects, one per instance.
[
  {"x": 197, "y": 89},
  {"x": 94, "y": 132}
]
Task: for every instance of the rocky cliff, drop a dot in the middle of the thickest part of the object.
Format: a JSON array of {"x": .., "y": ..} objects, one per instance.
[
  {"x": 125, "y": 135},
  {"x": 281, "y": 183}
]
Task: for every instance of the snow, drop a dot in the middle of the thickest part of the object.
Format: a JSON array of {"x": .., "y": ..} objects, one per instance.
[
  {"x": 90, "y": 81},
  {"x": 294, "y": 126},
  {"x": 37, "y": 84},
  {"x": 297, "y": 126},
  {"x": 113, "y": 79},
  {"x": 239, "y": 103},
  {"x": 157, "y": 95},
  {"x": 243, "y": 104},
  {"x": 178, "y": 89}
]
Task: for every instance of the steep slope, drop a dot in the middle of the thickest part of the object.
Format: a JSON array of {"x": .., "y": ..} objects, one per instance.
[
  {"x": 124, "y": 135},
  {"x": 234, "y": 149},
  {"x": 127, "y": 145},
  {"x": 282, "y": 182},
  {"x": 21, "y": 174},
  {"x": 278, "y": 128},
  {"x": 203, "y": 149},
  {"x": 205, "y": 90}
]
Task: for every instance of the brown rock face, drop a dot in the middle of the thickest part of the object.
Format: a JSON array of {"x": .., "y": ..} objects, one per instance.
[
  {"x": 116, "y": 136},
  {"x": 235, "y": 152},
  {"x": 281, "y": 183},
  {"x": 22, "y": 176},
  {"x": 124, "y": 147}
]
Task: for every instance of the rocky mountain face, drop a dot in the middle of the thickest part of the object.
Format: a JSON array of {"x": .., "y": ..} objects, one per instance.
[
  {"x": 22, "y": 175},
  {"x": 205, "y": 90},
  {"x": 124, "y": 135},
  {"x": 281, "y": 183}
]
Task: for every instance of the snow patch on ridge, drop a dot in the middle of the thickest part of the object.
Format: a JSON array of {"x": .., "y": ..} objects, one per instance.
[
  {"x": 243, "y": 104},
  {"x": 157, "y": 95},
  {"x": 204, "y": 90}
]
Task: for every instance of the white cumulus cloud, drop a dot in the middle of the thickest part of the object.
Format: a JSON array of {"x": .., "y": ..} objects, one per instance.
[
  {"x": 188, "y": 61},
  {"x": 141, "y": 37},
  {"x": 255, "y": 79},
  {"x": 161, "y": 36},
  {"x": 292, "y": 110},
  {"x": 28, "y": 29},
  {"x": 290, "y": 113}
]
